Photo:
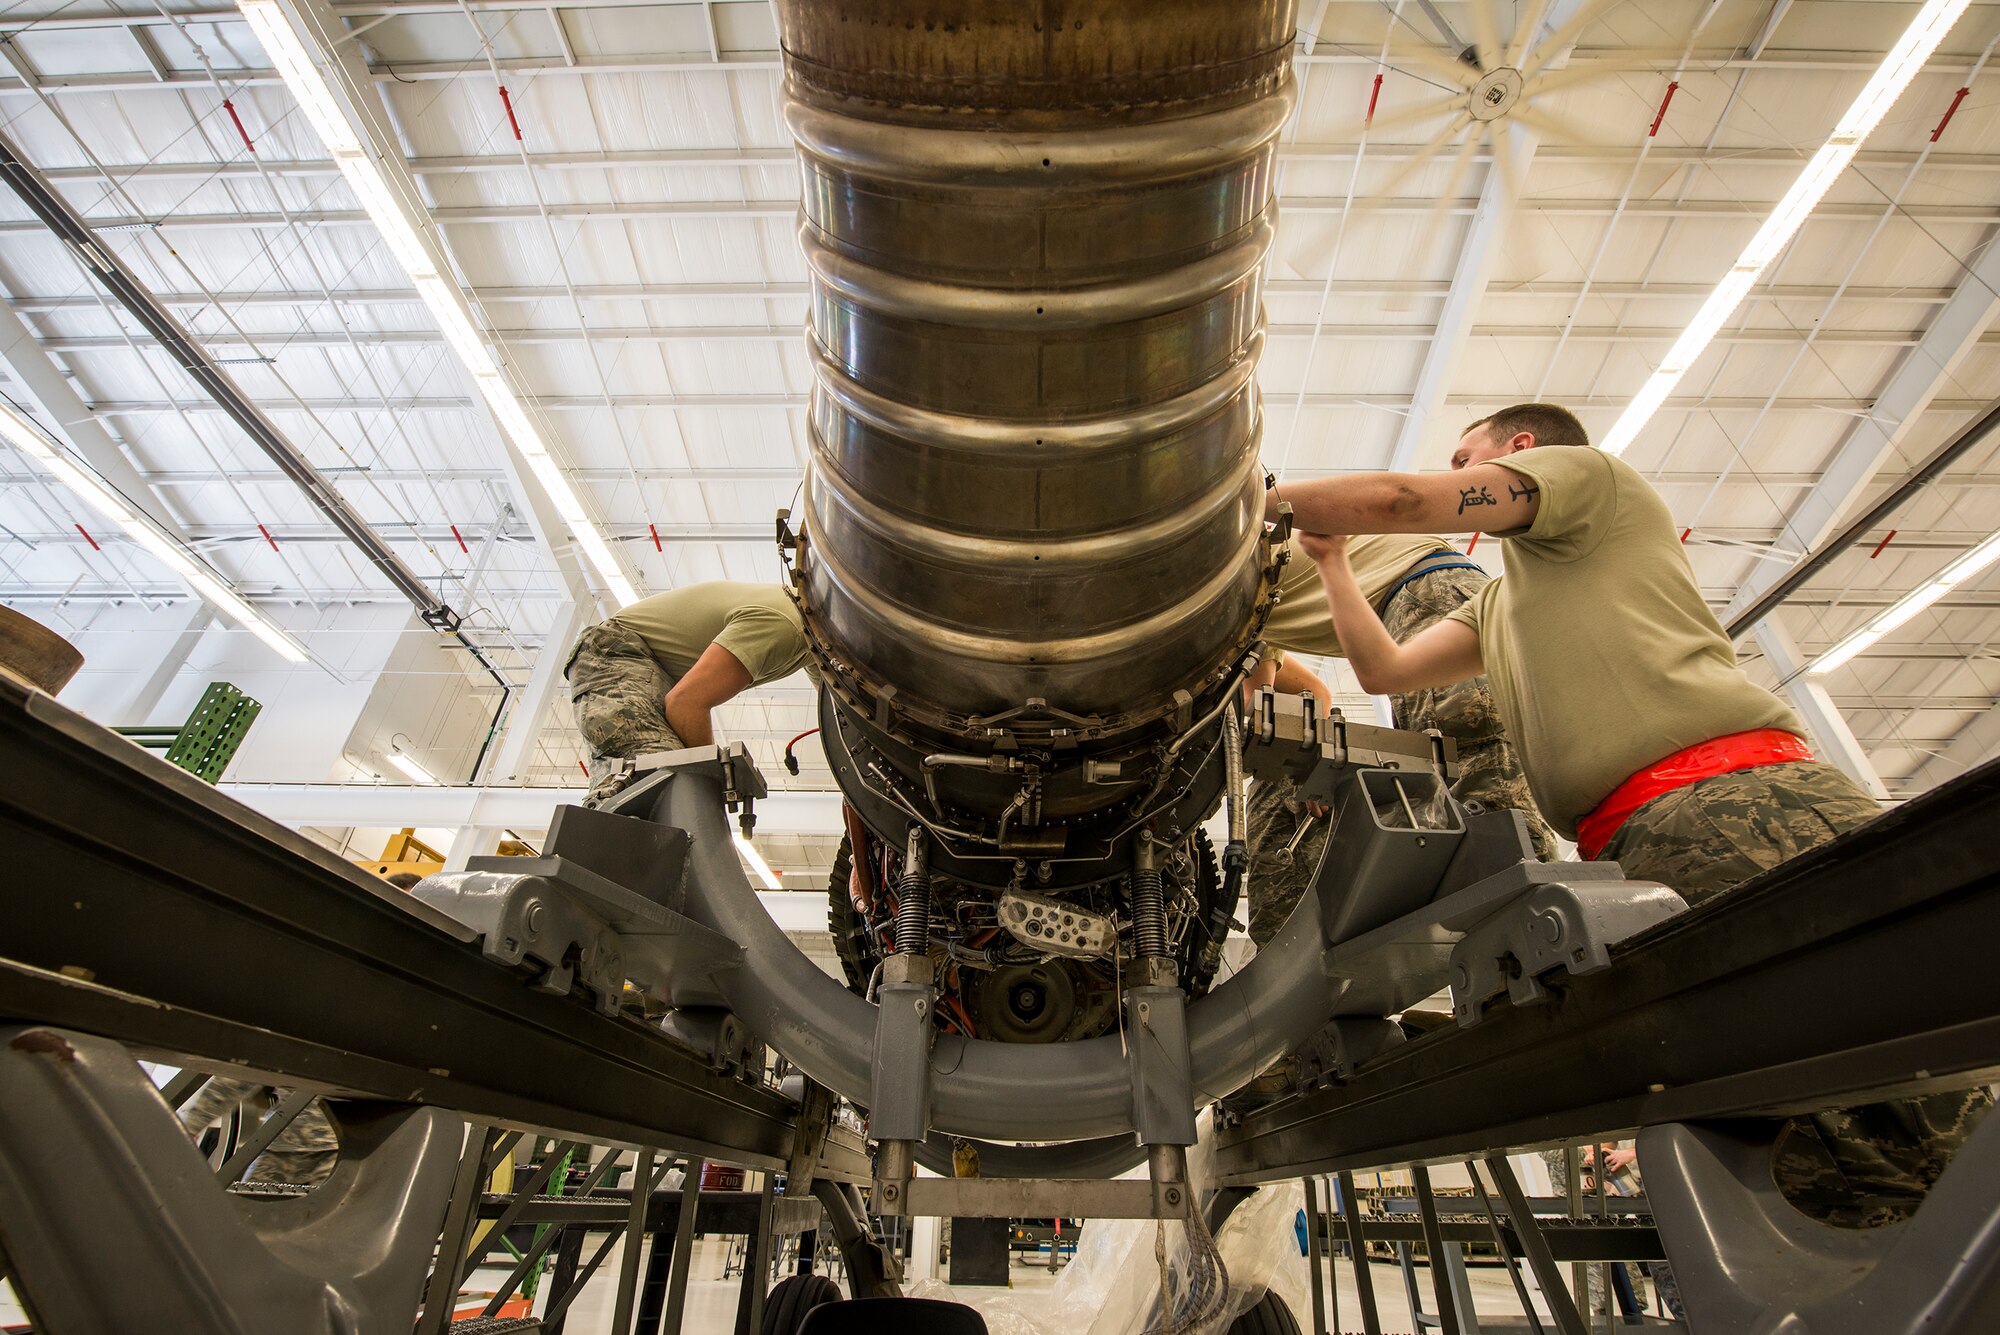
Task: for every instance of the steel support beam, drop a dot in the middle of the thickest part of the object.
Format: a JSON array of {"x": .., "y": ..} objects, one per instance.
[
  {"x": 1833, "y": 738},
  {"x": 1454, "y": 325},
  {"x": 764, "y": 291},
  {"x": 531, "y": 706},
  {"x": 338, "y": 806},
  {"x": 1483, "y": 236},
  {"x": 145, "y": 698},
  {"x": 1874, "y": 439},
  {"x": 1856, "y": 970},
  {"x": 1730, "y": 212},
  {"x": 40, "y": 384},
  {"x": 1976, "y": 743},
  {"x": 53, "y": 216},
  {"x": 360, "y": 104},
  {"x": 120, "y": 837}
]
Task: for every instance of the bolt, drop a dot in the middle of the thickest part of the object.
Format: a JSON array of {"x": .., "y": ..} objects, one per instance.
[
  {"x": 1173, "y": 1195},
  {"x": 534, "y": 920},
  {"x": 891, "y": 1192}
]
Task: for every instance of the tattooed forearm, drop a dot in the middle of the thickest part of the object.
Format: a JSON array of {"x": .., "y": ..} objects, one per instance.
[
  {"x": 1522, "y": 490},
  {"x": 1468, "y": 497}
]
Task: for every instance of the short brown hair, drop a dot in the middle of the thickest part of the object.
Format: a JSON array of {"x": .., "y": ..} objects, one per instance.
[{"x": 1548, "y": 423}]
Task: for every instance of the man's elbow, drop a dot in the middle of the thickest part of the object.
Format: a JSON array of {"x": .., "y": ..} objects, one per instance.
[{"x": 1376, "y": 679}]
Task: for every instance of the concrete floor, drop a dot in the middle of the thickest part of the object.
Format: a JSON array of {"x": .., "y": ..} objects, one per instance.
[
  {"x": 711, "y": 1308},
  {"x": 712, "y": 1300}
]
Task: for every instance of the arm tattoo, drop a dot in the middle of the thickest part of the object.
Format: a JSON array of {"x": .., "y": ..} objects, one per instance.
[
  {"x": 1522, "y": 490},
  {"x": 1471, "y": 496}
]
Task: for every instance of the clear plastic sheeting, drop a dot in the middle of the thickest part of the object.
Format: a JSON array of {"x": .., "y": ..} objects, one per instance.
[
  {"x": 1112, "y": 1285},
  {"x": 1415, "y": 802}
]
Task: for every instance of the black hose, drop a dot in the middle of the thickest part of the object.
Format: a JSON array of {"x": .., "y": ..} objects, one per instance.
[
  {"x": 493, "y": 725},
  {"x": 1926, "y": 473}
]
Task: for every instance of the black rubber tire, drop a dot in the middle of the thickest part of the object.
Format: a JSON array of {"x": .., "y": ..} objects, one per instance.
[
  {"x": 1269, "y": 1316},
  {"x": 785, "y": 1307}
]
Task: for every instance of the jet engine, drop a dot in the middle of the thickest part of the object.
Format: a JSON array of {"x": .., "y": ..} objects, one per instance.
[{"x": 1032, "y": 558}]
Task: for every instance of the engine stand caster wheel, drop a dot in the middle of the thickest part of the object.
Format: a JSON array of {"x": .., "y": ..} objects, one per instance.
[
  {"x": 785, "y": 1307},
  {"x": 1267, "y": 1316},
  {"x": 894, "y": 1316}
]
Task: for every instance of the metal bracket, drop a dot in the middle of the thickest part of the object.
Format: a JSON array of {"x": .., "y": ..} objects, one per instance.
[
  {"x": 1571, "y": 927},
  {"x": 599, "y": 907},
  {"x": 816, "y": 1104},
  {"x": 1750, "y": 1262},
  {"x": 722, "y": 1040},
  {"x": 1331, "y": 1055},
  {"x": 1289, "y": 738},
  {"x": 1043, "y": 1198},
  {"x": 899, "y": 1105},
  {"x": 741, "y": 779},
  {"x": 1161, "y": 1068},
  {"x": 93, "y": 1165}
]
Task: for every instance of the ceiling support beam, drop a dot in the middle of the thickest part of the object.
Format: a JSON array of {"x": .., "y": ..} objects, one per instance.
[
  {"x": 370, "y": 120},
  {"x": 40, "y": 384},
  {"x": 393, "y": 806},
  {"x": 93, "y": 252},
  {"x": 1454, "y": 325},
  {"x": 1490, "y": 218},
  {"x": 1875, "y": 437},
  {"x": 1833, "y": 739},
  {"x": 1976, "y": 743},
  {"x": 139, "y": 706},
  {"x": 516, "y": 752}
]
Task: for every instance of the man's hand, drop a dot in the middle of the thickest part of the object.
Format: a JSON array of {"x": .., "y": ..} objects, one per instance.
[
  {"x": 1614, "y": 1160},
  {"x": 1320, "y": 548}
]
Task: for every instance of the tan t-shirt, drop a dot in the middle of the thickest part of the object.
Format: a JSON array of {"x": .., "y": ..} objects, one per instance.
[
  {"x": 1602, "y": 653},
  {"x": 1302, "y": 623},
  {"x": 755, "y": 622}
]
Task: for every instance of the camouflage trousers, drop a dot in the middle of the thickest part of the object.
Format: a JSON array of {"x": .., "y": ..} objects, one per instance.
[
  {"x": 302, "y": 1154},
  {"x": 1283, "y": 858},
  {"x": 1855, "y": 1167},
  {"x": 618, "y": 692},
  {"x": 1716, "y": 834}
]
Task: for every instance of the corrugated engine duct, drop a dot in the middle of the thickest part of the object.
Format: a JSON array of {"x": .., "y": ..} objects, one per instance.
[{"x": 1036, "y": 234}]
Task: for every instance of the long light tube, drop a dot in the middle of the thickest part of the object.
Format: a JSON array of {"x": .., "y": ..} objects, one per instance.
[
  {"x": 392, "y": 215},
  {"x": 1891, "y": 77},
  {"x": 1953, "y": 575},
  {"x": 757, "y": 863},
  {"x": 24, "y": 435},
  {"x": 408, "y": 764}
]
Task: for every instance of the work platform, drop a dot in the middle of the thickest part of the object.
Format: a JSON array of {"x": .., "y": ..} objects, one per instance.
[{"x": 152, "y": 912}]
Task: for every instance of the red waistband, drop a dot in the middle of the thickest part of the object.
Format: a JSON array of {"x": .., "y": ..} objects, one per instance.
[{"x": 1705, "y": 760}]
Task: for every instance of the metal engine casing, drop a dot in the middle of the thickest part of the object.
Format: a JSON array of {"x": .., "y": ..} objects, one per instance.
[{"x": 1032, "y": 537}]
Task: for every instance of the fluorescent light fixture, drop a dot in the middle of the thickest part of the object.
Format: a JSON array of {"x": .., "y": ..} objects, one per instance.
[
  {"x": 1893, "y": 75},
  {"x": 22, "y": 432},
  {"x": 757, "y": 863},
  {"x": 406, "y": 763},
  {"x": 466, "y": 341},
  {"x": 399, "y": 221},
  {"x": 1953, "y": 575}
]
